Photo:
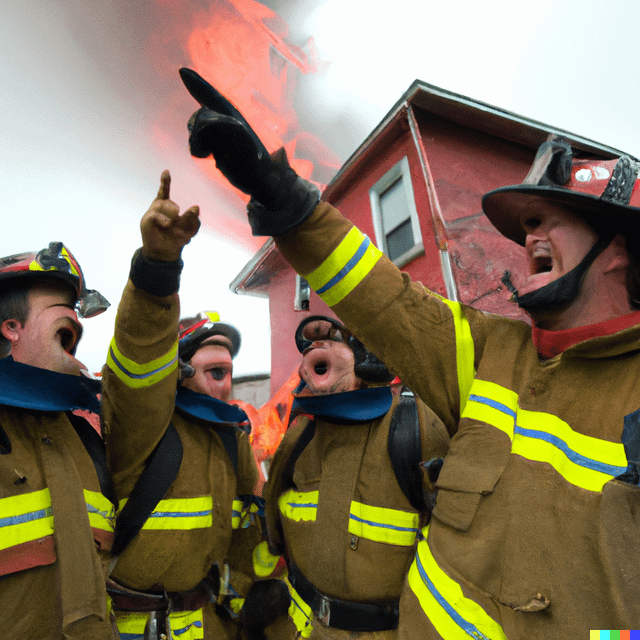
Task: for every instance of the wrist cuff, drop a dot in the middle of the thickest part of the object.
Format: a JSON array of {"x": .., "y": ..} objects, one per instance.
[{"x": 156, "y": 277}]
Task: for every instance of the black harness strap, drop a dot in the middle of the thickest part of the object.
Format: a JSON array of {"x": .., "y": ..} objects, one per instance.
[
  {"x": 405, "y": 450},
  {"x": 230, "y": 443},
  {"x": 94, "y": 445},
  {"x": 301, "y": 444},
  {"x": 158, "y": 475}
]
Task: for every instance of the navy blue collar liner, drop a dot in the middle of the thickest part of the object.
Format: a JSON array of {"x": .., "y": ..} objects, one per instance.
[
  {"x": 206, "y": 408},
  {"x": 361, "y": 405},
  {"x": 27, "y": 387}
]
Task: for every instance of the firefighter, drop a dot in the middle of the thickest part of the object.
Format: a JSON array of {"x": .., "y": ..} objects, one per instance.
[
  {"x": 184, "y": 558},
  {"x": 58, "y": 503},
  {"x": 535, "y": 531},
  {"x": 334, "y": 505}
]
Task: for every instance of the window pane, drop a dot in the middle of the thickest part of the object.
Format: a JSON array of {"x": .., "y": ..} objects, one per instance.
[
  {"x": 393, "y": 203},
  {"x": 400, "y": 240}
]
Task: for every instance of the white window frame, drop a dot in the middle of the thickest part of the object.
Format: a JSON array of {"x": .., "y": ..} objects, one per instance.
[{"x": 399, "y": 170}]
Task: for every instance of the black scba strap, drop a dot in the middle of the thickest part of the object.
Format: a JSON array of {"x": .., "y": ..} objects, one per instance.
[
  {"x": 405, "y": 450},
  {"x": 160, "y": 471},
  {"x": 341, "y": 614}
]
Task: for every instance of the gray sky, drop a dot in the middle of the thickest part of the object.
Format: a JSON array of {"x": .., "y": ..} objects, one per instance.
[{"x": 92, "y": 110}]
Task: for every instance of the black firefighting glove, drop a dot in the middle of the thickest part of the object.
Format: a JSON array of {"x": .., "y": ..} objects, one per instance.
[
  {"x": 280, "y": 199},
  {"x": 265, "y": 602}
]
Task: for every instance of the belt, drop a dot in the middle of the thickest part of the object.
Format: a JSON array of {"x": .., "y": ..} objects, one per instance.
[
  {"x": 125, "y": 599},
  {"x": 342, "y": 614}
]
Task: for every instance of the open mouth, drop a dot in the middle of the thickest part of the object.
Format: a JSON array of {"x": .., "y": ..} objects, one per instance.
[
  {"x": 320, "y": 368},
  {"x": 68, "y": 339},
  {"x": 542, "y": 264}
]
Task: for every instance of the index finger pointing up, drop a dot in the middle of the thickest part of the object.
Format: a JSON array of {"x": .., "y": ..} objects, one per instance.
[{"x": 165, "y": 185}]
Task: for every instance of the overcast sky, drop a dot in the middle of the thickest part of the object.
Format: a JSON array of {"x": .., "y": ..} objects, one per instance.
[{"x": 92, "y": 110}]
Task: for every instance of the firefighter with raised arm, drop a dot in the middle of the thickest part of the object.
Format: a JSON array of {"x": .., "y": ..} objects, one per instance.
[
  {"x": 535, "y": 530},
  {"x": 58, "y": 504},
  {"x": 183, "y": 469}
]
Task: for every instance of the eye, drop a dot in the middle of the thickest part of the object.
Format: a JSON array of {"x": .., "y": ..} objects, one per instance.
[
  {"x": 531, "y": 223},
  {"x": 217, "y": 373}
]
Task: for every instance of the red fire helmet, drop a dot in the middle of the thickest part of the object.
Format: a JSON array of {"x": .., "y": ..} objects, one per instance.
[
  {"x": 604, "y": 192},
  {"x": 55, "y": 261}
]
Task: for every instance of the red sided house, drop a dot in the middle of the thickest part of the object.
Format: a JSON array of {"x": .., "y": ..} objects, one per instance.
[{"x": 414, "y": 187}]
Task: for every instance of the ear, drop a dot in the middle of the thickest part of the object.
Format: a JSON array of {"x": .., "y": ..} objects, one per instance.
[
  {"x": 10, "y": 329},
  {"x": 617, "y": 255}
]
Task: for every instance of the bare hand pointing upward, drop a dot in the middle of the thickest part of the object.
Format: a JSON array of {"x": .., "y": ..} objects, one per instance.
[{"x": 164, "y": 230}]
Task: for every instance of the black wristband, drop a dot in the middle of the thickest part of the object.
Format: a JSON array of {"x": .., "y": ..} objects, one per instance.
[{"x": 156, "y": 277}]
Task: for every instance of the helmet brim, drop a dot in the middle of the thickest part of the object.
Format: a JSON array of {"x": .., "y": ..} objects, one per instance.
[{"x": 506, "y": 206}]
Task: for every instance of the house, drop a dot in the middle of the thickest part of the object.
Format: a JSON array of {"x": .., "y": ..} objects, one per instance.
[{"x": 415, "y": 186}]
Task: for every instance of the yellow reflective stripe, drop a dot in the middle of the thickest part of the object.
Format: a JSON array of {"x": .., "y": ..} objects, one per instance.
[
  {"x": 137, "y": 375},
  {"x": 300, "y": 612},
  {"x": 493, "y": 404},
  {"x": 25, "y": 517},
  {"x": 344, "y": 268},
  {"x": 102, "y": 514},
  {"x": 380, "y": 524},
  {"x": 299, "y": 506},
  {"x": 186, "y": 625},
  {"x": 464, "y": 349},
  {"x": 581, "y": 460},
  {"x": 131, "y": 623},
  {"x": 264, "y": 562},
  {"x": 454, "y": 616},
  {"x": 179, "y": 514},
  {"x": 241, "y": 517}
]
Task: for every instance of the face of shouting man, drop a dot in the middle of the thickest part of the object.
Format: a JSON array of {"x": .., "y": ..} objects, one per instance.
[
  {"x": 327, "y": 361},
  {"x": 50, "y": 334}
]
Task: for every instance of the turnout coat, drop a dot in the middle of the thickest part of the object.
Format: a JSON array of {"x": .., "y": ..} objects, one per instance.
[
  {"x": 534, "y": 534},
  {"x": 340, "y": 515}
]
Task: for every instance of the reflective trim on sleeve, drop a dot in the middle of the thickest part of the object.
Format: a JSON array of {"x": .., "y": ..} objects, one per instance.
[
  {"x": 454, "y": 616},
  {"x": 137, "y": 375},
  {"x": 464, "y": 349},
  {"x": 179, "y": 514},
  {"x": 380, "y": 524},
  {"x": 298, "y": 506},
  {"x": 102, "y": 514},
  {"x": 300, "y": 612},
  {"x": 581, "y": 460},
  {"x": 344, "y": 268},
  {"x": 25, "y": 517}
]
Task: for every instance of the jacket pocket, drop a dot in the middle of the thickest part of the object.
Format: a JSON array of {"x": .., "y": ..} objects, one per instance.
[{"x": 472, "y": 468}]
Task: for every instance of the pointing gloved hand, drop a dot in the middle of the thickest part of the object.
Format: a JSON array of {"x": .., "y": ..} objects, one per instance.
[{"x": 280, "y": 199}]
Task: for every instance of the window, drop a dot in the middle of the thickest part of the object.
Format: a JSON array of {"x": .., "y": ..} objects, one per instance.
[{"x": 395, "y": 218}]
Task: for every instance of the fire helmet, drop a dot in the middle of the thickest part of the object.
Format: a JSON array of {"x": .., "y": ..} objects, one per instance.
[
  {"x": 55, "y": 261},
  {"x": 606, "y": 193},
  {"x": 193, "y": 331}
]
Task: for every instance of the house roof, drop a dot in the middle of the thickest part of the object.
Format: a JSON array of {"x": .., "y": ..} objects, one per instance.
[{"x": 267, "y": 262}]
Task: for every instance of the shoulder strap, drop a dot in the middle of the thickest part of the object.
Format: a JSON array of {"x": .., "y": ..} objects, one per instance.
[
  {"x": 296, "y": 451},
  {"x": 229, "y": 438},
  {"x": 94, "y": 445},
  {"x": 405, "y": 449},
  {"x": 159, "y": 473}
]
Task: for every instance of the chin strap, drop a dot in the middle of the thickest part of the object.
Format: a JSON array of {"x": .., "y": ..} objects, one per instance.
[{"x": 562, "y": 291}]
